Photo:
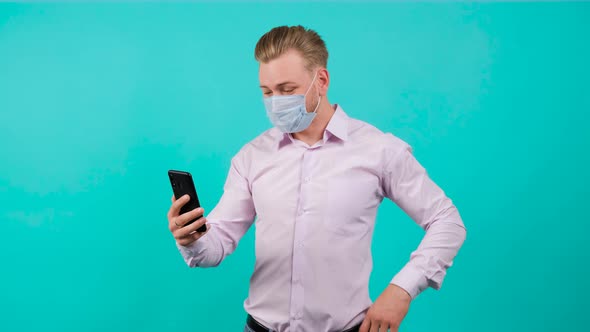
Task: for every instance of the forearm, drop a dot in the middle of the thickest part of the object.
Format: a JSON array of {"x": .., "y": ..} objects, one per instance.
[
  {"x": 429, "y": 262},
  {"x": 228, "y": 221}
]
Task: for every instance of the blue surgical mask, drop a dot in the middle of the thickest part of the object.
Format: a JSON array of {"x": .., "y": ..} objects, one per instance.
[{"x": 288, "y": 112}]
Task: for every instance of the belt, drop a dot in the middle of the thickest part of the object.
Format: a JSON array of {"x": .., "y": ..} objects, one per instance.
[{"x": 257, "y": 327}]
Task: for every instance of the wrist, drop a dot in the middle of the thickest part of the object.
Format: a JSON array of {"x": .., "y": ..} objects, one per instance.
[{"x": 400, "y": 293}]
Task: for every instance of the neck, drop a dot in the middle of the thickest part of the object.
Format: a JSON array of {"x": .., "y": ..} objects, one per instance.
[{"x": 315, "y": 131}]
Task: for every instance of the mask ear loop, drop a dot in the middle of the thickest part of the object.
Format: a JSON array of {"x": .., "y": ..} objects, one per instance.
[{"x": 320, "y": 97}]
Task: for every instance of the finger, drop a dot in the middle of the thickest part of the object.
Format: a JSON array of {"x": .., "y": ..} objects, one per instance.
[
  {"x": 188, "y": 230},
  {"x": 197, "y": 235},
  {"x": 384, "y": 327},
  {"x": 169, "y": 214},
  {"x": 175, "y": 221},
  {"x": 184, "y": 218},
  {"x": 192, "y": 228},
  {"x": 192, "y": 237},
  {"x": 365, "y": 325},
  {"x": 172, "y": 224},
  {"x": 374, "y": 326},
  {"x": 178, "y": 204},
  {"x": 185, "y": 241}
]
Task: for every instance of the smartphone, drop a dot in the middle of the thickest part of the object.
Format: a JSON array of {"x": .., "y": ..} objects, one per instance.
[{"x": 182, "y": 184}]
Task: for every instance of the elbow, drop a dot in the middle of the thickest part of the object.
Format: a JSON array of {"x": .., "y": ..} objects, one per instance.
[
  {"x": 462, "y": 229},
  {"x": 459, "y": 228},
  {"x": 459, "y": 232},
  {"x": 453, "y": 217},
  {"x": 463, "y": 234},
  {"x": 454, "y": 230}
]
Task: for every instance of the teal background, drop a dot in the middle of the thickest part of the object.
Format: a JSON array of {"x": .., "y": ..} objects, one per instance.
[{"x": 98, "y": 101}]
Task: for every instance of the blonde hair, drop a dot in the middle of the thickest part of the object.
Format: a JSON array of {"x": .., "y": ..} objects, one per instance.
[{"x": 281, "y": 39}]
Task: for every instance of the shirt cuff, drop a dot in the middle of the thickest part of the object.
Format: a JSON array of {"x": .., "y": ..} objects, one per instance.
[
  {"x": 193, "y": 252},
  {"x": 411, "y": 280}
]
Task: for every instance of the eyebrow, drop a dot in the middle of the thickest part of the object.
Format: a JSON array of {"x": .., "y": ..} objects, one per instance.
[{"x": 280, "y": 84}]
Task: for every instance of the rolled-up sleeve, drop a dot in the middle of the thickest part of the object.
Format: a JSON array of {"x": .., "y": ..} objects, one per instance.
[
  {"x": 229, "y": 220},
  {"x": 407, "y": 184}
]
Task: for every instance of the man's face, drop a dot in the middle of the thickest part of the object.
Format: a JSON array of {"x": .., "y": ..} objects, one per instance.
[{"x": 287, "y": 75}]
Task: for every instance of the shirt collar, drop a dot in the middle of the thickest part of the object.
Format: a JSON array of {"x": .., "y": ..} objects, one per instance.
[
  {"x": 338, "y": 124},
  {"x": 337, "y": 127}
]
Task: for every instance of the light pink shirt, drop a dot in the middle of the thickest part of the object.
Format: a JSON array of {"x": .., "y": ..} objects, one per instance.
[{"x": 315, "y": 208}]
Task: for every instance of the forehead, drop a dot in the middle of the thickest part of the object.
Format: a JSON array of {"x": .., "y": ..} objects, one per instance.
[{"x": 288, "y": 67}]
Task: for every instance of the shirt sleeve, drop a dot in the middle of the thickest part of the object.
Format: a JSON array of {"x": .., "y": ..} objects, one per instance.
[
  {"x": 408, "y": 185},
  {"x": 229, "y": 220}
]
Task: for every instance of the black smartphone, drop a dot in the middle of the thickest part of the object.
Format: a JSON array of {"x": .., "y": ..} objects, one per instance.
[{"x": 182, "y": 184}]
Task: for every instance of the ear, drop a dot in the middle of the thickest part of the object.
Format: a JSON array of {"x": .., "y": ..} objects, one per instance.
[{"x": 323, "y": 81}]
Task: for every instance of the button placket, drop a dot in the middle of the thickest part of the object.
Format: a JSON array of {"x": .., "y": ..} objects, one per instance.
[{"x": 297, "y": 291}]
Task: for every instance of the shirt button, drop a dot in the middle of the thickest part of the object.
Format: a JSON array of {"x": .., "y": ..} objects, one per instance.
[{"x": 307, "y": 179}]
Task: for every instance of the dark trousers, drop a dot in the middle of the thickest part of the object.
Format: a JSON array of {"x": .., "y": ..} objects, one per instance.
[{"x": 254, "y": 326}]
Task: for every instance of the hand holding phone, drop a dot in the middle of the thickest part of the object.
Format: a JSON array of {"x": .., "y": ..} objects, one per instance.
[{"x": 182, "y": 184}]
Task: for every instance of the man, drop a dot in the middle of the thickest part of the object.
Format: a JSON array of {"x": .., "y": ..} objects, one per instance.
[{"x": 315, "y": 181}]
